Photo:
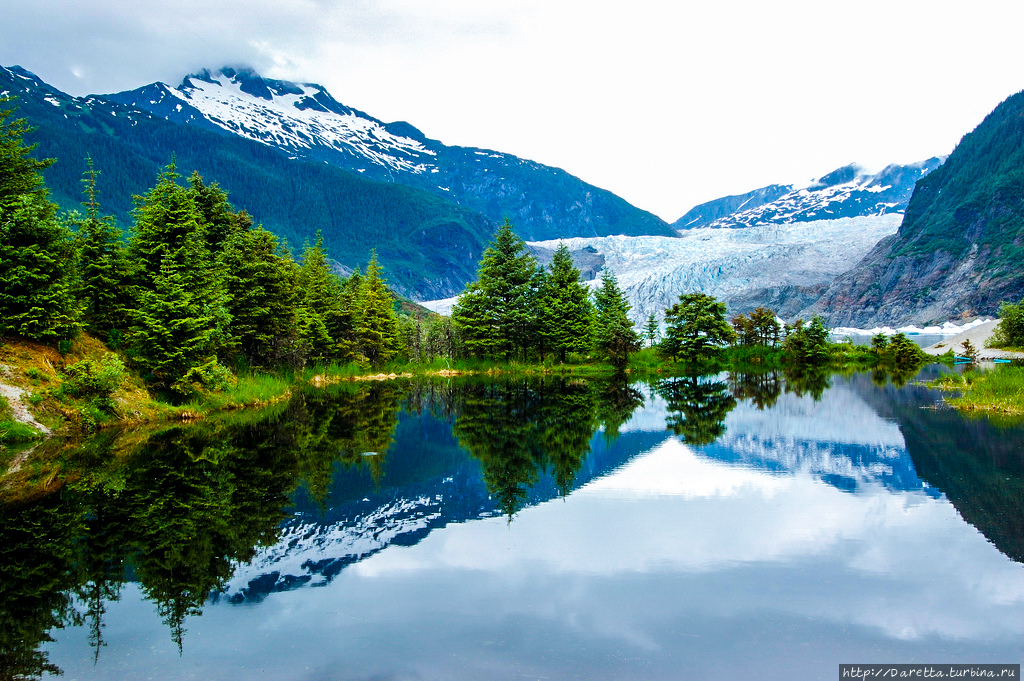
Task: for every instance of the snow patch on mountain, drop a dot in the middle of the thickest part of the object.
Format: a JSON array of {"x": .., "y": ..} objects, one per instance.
[
  {"x": 297, "y": 116},
  {"x": 849, "y": 191},
  {"x": 306, "y": 547}
]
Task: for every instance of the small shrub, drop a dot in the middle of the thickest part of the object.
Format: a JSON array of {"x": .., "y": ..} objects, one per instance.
[
  {"x": 211, "y": 376},
  {"x": 93, "y": 379},
  {"x": 1010, "y": 331},
  {"x": 968, "y": 350},
  {"x": 906, "y": 355}
]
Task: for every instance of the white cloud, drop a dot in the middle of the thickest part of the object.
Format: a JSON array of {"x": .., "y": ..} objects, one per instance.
[{"x": 667, "y": 104}]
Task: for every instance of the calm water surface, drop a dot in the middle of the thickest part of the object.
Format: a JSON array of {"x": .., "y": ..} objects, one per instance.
[{"x": 701, "y": 528}]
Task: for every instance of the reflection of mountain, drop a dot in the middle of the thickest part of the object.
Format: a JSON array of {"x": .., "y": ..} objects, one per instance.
[
  {"x": 841, "y": 439},
  {"x": 429, "y": 482},
  {"x": 977, "y": 465}
]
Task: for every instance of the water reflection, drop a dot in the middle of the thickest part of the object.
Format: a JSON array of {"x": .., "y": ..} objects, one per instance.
[
  {"x": 518, "y": 429},
  {"x": 697, "y": 407},
  {"x": 231, "y": 511}
]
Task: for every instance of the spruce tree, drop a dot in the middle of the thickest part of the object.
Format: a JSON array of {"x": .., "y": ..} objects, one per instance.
[
  {"x": 103, "y": 267},
  {"x": 377, "y": 325},
  {"x": 651, "y": 330},
  {"x": 37, "y": 255},
  {"x": 260, "y": 286},
  {"x": 321, "y": 323},
  {"x": 565, "y": 312},
  {"x": 180, "y": 321},
  {"x": 495, "y": 313},
  {"x": 20, "y": 173},
  {"x": 613, "y": 331}
]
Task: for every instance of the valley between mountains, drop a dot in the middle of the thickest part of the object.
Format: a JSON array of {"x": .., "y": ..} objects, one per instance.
[{"x": 858, "y": 248}]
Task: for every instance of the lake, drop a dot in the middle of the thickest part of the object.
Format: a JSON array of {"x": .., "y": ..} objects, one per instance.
[{"x": 716, "y": 527}]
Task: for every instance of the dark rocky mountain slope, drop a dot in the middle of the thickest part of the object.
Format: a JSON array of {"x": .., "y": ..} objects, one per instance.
[{"x": 960, "y": 248}]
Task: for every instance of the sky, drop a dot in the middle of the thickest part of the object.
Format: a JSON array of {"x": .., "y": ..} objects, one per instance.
[{"x": 667, "y": 104}]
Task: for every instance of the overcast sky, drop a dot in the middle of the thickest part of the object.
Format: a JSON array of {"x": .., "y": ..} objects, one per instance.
[{"x": 667, "y": 104}]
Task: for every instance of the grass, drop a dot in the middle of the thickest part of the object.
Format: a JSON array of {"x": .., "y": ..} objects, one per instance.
[
  {"x": 998, "y": 391},
  {"x": 254, "y": 389}
]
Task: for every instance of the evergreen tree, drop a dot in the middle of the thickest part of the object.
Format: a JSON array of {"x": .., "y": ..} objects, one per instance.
[
  {"x": 651, "y": 330},
  {"x": 181, "y": 319},
  {"x": 565, "y": 313},
  {"x": 760, "y": 328},
  {"x": 321, "y": 327},
  {"x": 494, "y": 315},
  {"x": 807, "y": 344},
  {"x": 696, "y": 328},
  {"x": 217, "y": 215},
  {"x": 613, "y": 332},
  {"x": 37, "y": 255},
  {"x": 20, "y": 174},
  {"x": 103, "y": 266},
  {"x": 377, "y": 327},
  {"x": 260, "y": 284}
]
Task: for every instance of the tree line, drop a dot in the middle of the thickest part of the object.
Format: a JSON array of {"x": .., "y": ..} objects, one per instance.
[{"x": 193, "y": 291}]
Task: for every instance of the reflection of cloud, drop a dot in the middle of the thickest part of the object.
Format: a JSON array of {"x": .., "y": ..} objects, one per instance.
[
  {"x": 841, "y": 416},
  {"x": 672, "y": 557},
  {"x": 917, "y": 569}
]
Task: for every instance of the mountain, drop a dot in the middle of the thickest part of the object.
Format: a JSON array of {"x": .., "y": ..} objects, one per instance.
[
  {"x": 428, "y": 245},
  {"x": 957, "y": 253},
  {"x": 305, "y": 122},
  {"x": 777, "y": 246},
  {"x": 846, "y": 192}
]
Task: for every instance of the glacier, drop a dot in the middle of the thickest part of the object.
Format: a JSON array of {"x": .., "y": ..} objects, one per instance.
[{"x": 780, "y": 266}]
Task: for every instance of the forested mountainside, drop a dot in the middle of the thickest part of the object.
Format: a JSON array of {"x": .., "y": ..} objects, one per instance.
[
  {"x": 428, "y": 245},
  {"x": 959, "y": 250},
  {"x": 304, "y": 121}
]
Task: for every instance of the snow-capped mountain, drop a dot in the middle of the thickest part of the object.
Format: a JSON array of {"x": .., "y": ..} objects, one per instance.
[
  {"x": 301, "y": 118},
  {"x": 844, "y": 193},
  {"x": 304, "y": 121}
]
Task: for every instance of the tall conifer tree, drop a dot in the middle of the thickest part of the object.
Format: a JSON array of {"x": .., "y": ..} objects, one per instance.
[
  {"x": 181, "y": 319},
  {"x": 321, "y": 313},
  {"x": 103, "y": 267},
  {"x": 613, "y": 332},
  {"x": 37, "y": 255},
  {"x": 377, "y": 326},
  {"x": 565, "y": 313},
  {"x": 495, "y": 313}
]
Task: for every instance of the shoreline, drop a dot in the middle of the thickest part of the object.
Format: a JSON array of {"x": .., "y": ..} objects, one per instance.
[{"x": 978, "y": 336}]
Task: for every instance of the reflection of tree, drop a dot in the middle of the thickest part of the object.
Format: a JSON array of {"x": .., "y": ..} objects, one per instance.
[
  {"x": 101, "y": 556},
  {"x": 807, "y": 379},
  {"x": 698, "y": 406},
  {"x": 497, "y": 423},
  {"x": 614, "y": 404},
  {"x": 196, "y": 502},
  {"x": 354, "y": 428},
  {"x": 519, "y": 428},
  {"x": 763, "y": 389},
  {"x": 36, "y": 562},
  {"x": 566, "y": 424}
]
